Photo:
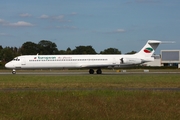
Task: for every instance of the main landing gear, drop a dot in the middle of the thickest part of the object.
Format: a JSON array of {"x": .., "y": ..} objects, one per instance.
[{"x": 98, "y": 71}]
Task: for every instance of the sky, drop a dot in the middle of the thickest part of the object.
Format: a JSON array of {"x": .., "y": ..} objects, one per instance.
[{"x": 122, "y": 24}]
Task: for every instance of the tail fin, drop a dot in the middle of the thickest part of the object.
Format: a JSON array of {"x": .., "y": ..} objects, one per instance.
[{"x": 149, "y": 49}]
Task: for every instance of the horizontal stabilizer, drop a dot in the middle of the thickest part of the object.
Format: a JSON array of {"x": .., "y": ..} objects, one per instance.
[{"x": 167, "y": 42}]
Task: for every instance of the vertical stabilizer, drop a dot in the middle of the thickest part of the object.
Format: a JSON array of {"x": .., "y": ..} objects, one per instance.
[{"x": 149, "y": 49}]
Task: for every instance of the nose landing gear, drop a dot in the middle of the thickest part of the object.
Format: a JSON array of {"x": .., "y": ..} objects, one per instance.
[{"x": 13, "y": 71}]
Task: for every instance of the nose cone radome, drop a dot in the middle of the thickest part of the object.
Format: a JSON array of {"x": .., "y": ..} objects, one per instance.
[{"x": 9, "y": 65}]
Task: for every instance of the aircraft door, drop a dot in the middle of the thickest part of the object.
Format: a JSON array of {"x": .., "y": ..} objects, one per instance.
[{"x": 23, "y": 61}]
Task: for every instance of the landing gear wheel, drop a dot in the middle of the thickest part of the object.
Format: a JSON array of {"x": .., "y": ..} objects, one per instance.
[
  {"x": 14, "y": 71},
  {"x": 91, "y": 71},
  {"x": 99, "y": 71}
]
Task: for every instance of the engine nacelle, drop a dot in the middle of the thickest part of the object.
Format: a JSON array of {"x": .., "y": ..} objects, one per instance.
[{"x": 130, "y": 61}]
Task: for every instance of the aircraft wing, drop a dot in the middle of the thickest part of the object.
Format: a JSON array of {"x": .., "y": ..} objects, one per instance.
[{"x": 96, "y": 66}]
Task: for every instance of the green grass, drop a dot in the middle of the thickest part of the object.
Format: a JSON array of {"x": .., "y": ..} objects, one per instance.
[
  {"x": 91, "y": 81},
  {"x": 96, "y": 105},
  {"x": 88, "y": 97}
]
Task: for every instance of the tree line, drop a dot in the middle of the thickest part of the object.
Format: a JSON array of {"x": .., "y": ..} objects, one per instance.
[{"x": 46, "y": 47}]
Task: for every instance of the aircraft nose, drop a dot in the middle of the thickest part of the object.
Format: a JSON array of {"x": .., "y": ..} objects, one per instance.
[{"x": 8, "y": 65}]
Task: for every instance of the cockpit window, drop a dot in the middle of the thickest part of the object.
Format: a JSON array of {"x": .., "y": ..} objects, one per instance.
[{"x": 16, "y": 59}]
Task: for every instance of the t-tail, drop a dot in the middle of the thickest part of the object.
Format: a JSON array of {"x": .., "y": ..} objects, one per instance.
[{"x": 148, "y": 50}]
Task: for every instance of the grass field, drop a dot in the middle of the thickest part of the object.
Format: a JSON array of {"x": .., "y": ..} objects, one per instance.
[{"x": 93, "y": 97}]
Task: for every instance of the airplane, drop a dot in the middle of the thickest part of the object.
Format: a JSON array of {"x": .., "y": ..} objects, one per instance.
[{"x": 91, "y": 62}]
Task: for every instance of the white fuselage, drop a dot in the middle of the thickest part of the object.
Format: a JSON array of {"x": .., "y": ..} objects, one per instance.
[
  {"x": 73, "y": 61},
  {"x": 84, "y": 61}
]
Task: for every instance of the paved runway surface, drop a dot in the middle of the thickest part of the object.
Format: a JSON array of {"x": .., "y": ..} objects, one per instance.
[{"x": 78, "y": 73}]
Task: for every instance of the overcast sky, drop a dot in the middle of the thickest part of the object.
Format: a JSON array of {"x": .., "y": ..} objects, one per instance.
[{"x": 122, "y": 24}]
